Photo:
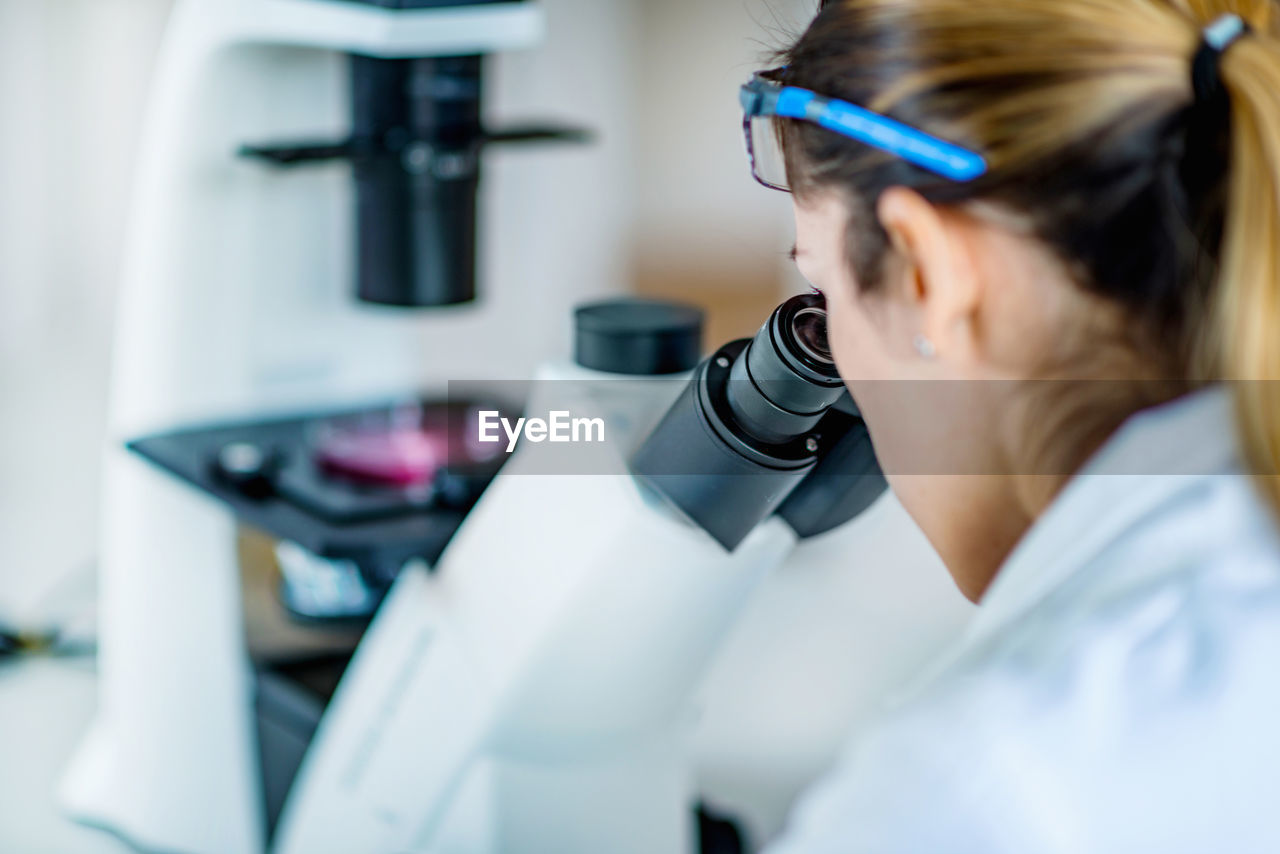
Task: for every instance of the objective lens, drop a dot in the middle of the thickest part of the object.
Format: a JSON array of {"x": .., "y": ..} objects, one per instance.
[{"x": 809, "y": 328}]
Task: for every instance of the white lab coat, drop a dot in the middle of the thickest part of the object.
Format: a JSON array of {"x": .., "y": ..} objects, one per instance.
[{"x": 1119, "y": 690}]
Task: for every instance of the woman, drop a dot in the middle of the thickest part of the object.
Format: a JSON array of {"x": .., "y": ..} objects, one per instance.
[{"x": 1048, "y": 232}]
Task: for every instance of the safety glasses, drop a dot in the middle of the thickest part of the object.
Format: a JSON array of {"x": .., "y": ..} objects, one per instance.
[{"x": 762, "y": 99}]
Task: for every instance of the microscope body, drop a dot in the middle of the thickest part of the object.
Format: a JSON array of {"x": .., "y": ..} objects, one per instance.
[
  {"x": 537, "y": 691},
  {"x": 236, "y": 300}
]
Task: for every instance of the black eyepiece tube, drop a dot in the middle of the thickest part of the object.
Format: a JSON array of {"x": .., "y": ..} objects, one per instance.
[
  {"x": 748, "y": 427},
  {"x": 786, "y": 380}
]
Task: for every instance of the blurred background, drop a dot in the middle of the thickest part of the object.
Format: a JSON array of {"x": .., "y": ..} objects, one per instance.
[{"x": 662, "y": 204}]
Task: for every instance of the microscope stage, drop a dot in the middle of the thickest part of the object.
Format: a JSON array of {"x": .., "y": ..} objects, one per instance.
[{"x": 377, "y": 486}]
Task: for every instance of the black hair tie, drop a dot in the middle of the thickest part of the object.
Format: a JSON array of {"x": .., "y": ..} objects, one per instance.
[
  {"x": 1205, "y": 159},
  {"x": 1224, "y": 31}
]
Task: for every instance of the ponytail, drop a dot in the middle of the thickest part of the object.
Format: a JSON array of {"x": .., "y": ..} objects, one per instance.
[{"x": 1246, "y": 334}]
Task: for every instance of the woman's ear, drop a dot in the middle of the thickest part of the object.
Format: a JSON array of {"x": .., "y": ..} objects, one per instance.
[{"x": 935, "y": 275}]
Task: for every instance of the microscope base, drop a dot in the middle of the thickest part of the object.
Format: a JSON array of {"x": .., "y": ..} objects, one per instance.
[{"x": 169, "y": 763}]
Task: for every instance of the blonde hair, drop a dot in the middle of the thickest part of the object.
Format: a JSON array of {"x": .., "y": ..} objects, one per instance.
[
  {"x": 1155, "y": 199},
  {"x": 1245, "y": 333}
]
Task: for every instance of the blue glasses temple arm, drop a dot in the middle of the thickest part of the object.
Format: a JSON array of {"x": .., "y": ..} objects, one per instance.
[{"x": 937, "y": 155}]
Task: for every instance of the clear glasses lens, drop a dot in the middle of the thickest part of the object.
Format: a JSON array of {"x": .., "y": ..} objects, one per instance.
[{"x": 768, "y": 162}]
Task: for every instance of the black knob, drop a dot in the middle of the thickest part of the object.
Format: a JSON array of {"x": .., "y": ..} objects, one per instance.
[
  {"x": 248, "y": 467},
  {"x": 638, "y": 337}
]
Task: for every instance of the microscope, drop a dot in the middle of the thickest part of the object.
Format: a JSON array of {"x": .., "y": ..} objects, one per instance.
[
  {"x": 309, "y": 174},
  {"x": 537, "y": 623},
  {"x": 534, "y": 691}
]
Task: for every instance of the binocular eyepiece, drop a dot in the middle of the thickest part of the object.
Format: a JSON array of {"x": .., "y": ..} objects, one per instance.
[
  {"x": 785, "y": 380},
  {"x": 754, "y": 422}
]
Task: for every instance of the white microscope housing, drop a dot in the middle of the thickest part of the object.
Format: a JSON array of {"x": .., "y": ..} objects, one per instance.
[
  {"x": 236, "y": 301},
  {"x": 545, "y": 672}
]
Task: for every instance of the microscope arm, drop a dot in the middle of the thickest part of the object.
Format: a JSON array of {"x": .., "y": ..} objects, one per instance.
[{"x": 535, "y": 693}]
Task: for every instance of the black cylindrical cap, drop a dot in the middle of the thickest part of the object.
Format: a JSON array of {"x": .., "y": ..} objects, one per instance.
[{"x": 637, "y": 336}]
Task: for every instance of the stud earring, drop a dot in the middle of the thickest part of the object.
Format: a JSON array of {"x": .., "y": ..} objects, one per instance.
[{"x": 924, "y": 347}]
